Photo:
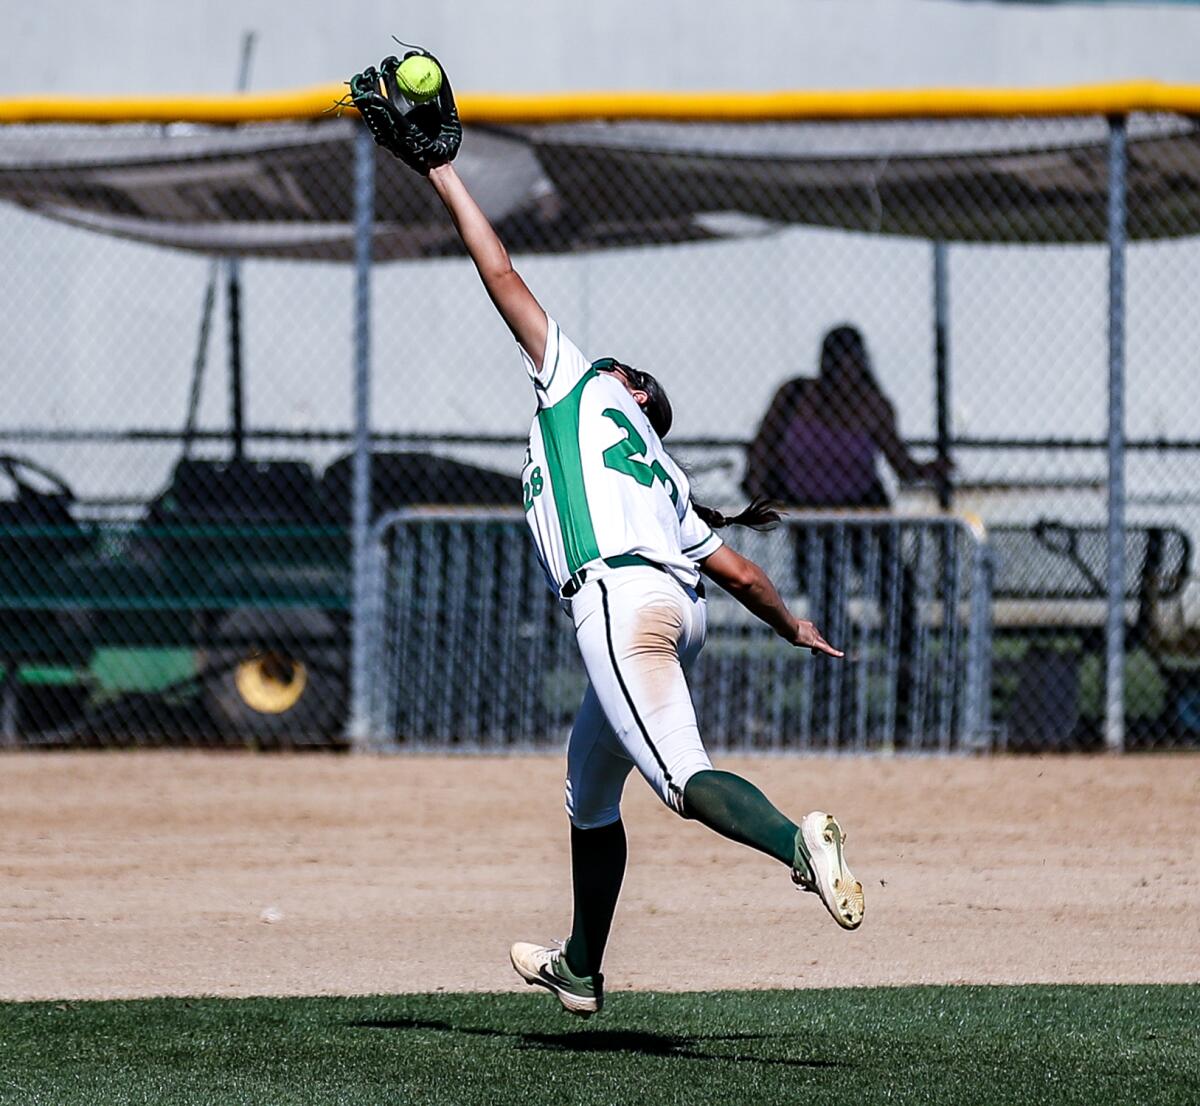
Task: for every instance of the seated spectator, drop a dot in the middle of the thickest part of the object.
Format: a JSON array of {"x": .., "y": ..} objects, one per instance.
[
  {"x": 820, "y": 440},
  {"x": 819, "y": 447}
]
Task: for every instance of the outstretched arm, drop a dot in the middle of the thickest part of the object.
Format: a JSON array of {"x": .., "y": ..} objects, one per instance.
[
  {"x": 752, "y": 587},
  {"x": 515, "y": 302}
]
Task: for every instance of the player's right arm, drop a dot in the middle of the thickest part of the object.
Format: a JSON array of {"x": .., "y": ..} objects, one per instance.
[
  {"x": 516, "y": 303},
  {"x": 752, "y": 587}
]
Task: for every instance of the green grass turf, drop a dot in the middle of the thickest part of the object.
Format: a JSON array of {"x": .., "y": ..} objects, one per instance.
[{"x": 975, "y": 1045}]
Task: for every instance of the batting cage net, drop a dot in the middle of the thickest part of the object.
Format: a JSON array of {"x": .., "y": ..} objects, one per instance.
[{"x": 957, "y": 346}]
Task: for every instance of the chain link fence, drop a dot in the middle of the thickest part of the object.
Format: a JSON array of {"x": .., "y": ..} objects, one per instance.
[{"x": 890, "y": 319}]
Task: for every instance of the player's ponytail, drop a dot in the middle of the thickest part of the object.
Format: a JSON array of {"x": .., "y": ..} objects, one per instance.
[{"x": 758, "y": 514}]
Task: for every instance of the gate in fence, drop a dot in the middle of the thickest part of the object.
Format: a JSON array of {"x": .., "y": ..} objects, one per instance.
[{"x": 470, "y": 650}]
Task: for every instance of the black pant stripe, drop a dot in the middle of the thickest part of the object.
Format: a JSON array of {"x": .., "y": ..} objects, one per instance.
[{"x": 612, "y": 655}]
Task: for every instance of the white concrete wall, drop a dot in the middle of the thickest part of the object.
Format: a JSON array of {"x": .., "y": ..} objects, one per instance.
[
  {"x": 129, "y": 46},
  {"x": 103, "y": 333}
]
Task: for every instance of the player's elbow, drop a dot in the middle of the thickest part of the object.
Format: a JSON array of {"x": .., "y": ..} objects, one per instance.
[
  {"x": 747, "y": 578},
  {"x": 735, "y": 573},
  {"x": 504, "y": 285},
  {"x": 498, "y": 270}
]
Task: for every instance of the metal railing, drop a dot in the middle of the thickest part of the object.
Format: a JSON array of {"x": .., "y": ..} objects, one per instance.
[{"x": 469, "y": 650}]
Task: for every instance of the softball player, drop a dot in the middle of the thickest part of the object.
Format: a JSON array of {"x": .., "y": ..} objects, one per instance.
[{"x": 625, "y": 545}]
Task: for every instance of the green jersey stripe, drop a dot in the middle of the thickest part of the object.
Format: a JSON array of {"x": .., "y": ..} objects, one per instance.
[
  {"x": 560, "y": 435},
  {"x": 698, "y": 544}
]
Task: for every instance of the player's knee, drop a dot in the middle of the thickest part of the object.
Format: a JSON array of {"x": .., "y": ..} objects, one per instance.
[
  {"x": 674, "y": 800},
  {"x": 595, "y": 819},
  {"x": 672, "y": 793},
  {"x": 588, "y": 809}
]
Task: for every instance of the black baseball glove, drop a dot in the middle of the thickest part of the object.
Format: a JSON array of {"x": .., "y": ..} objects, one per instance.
[{"x": 421, "y": 136}]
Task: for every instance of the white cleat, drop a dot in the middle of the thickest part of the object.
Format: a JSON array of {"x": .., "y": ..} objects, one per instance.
[
  {"x": 841, "y": 893},
  {"x": 547, "y": 967}
]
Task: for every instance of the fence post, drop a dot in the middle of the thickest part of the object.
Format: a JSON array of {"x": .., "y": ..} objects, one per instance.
[
  {"x": 1114, "y": 707},
  {"x": 358, "y": 725},
  {"x": 975, "y": 728},
  {"x": 941, "y": 368}
]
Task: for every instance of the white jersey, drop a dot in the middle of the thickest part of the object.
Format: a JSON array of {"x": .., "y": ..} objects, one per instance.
[{"x": 597, "y": 481}]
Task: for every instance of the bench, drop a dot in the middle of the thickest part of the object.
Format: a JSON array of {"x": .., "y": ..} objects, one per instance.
[{"x": 1050, "y": 589}]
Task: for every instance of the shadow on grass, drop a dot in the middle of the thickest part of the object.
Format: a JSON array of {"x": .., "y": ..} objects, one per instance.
[{"x": 628, "y": 1041}]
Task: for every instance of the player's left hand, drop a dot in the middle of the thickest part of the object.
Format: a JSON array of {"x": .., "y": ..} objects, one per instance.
[
  {"x": 807, "y": 636},
  {"x": 423, "y": 137}
]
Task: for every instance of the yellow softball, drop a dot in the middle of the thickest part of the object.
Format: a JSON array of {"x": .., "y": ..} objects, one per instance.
[{"x": 419, "y": 78}]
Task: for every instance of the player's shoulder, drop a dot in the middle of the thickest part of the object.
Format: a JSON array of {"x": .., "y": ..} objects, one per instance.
[{"x": 564, "y": 366}]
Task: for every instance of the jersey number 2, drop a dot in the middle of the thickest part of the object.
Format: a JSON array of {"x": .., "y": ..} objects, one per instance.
[{"x": 624, "y": 456}]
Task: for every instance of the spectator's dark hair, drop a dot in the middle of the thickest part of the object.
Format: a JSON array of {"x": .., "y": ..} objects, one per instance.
[
  {"x": 759, "y": 514},
  {"x": 841, "y": 345}
]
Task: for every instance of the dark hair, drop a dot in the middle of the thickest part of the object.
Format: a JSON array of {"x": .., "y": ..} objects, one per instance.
[
  {"x": 844, "y": 343},
  {"x": 758, "y": 514},
  {"x": 657, "y": 406}
]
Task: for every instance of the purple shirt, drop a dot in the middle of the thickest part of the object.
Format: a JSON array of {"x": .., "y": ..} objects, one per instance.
[{"x": 827, "y": 465}]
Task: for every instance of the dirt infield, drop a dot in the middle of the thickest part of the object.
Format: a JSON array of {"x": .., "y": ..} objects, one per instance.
[{"x": 130, "y": 874}]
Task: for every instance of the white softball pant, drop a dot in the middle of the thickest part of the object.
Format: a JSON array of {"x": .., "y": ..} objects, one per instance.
[{"x": 638, "y": 630}]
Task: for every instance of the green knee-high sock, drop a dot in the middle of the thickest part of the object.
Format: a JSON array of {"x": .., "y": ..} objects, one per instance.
[
  {"x": 597, "y": 869},
  {"x": 736, "y": 809}
]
